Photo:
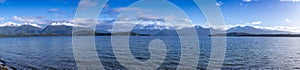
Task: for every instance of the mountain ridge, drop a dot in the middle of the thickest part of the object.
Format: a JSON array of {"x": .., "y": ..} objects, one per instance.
[{"x": 65, "y": 29}]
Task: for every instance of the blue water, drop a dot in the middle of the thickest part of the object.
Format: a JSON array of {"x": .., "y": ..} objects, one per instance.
[{"x": 242, "y": 52}]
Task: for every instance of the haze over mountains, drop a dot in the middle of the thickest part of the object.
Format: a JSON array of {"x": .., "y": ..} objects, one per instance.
[{"x": 153, "y": 29}]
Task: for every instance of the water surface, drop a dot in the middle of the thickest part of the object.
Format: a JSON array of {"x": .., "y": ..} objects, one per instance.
[{"x": 242, "y": 52}]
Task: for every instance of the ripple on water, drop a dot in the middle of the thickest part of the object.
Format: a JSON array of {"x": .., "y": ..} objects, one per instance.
[{"x": 242, "y": 53}]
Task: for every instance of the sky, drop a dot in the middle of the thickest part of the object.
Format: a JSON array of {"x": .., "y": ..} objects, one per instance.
[{"x": 280, "y": 14}]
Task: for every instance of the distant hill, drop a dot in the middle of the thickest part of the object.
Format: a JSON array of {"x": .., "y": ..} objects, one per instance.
[{"x": 253, "y": 30}]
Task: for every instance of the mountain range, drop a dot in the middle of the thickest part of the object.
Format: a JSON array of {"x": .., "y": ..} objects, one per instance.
[{"x": 11, "y": 29}]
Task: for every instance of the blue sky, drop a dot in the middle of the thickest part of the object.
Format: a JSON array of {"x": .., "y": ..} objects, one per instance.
[
  {"x": 264, "y": 13},
  {"x": 269, "y": 12}
]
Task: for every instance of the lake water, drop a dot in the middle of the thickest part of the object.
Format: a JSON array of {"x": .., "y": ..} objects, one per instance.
[{"x": 242, "y": 52}]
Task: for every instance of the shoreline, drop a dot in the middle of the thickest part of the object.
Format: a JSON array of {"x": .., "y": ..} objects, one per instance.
[
  {"x": 4, "y": 66},
  {"x": 235, "y": 34}
]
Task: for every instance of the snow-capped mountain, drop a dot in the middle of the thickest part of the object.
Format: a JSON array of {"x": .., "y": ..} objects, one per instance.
[
  {"x": 32, "y": 24},
  {"x": 58, "y": 29},
  {"x": 64, "y": 28},
  {"x": 9, "y": 24},
  {"x": 153, "y": 29},
  {"x": 200, "y": 31},
  {"x": 28, "y": 30},
  {"x": 165, "y": 29},
  {"x": 10, "y": 28}
]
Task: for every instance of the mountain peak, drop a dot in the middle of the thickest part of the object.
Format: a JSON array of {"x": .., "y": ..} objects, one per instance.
[
  {"x": 10, "y": 24},
  {"x": 31, "y": 24}
]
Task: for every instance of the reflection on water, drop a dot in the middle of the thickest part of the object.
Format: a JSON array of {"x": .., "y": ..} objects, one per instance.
[{"x": 242, "y": 53}]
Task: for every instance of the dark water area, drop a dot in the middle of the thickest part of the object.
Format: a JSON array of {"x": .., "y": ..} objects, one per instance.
[{"x": 241, "y": 52}]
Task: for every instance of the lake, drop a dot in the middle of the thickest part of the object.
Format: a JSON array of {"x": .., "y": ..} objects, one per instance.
[{"x": 242, "y": 52}]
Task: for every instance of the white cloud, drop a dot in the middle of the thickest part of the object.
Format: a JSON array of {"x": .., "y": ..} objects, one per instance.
[
  {"x": 219, "y": 3},
  {"x": 254, "y": 23},
  {"x": 2, "y": 1},
  {"x": 37, "y": 20},
  {"x": 155, "y": 18},
  {"x": 186, "y": 20},
  {"x": 111, "y": 11},
  {"x": 25, "y": 19},
  {"x": 121, "y": 25},
  {"x": 78, "y": 22},
  {"x": 290, "y": 0},
  {"x": 287, "y": 20},
  {"x": 53, "y": 10},
  {"x": 120, "y": 9},
  {"x": 281, "y": 28},
  {"x": 87, "y": 3},
  {"x": 247, "y": 0},
  {"x": 57, "y": 13},
  {"x": 62, "y": 23},
  {"x": 83, "y": 20}
]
